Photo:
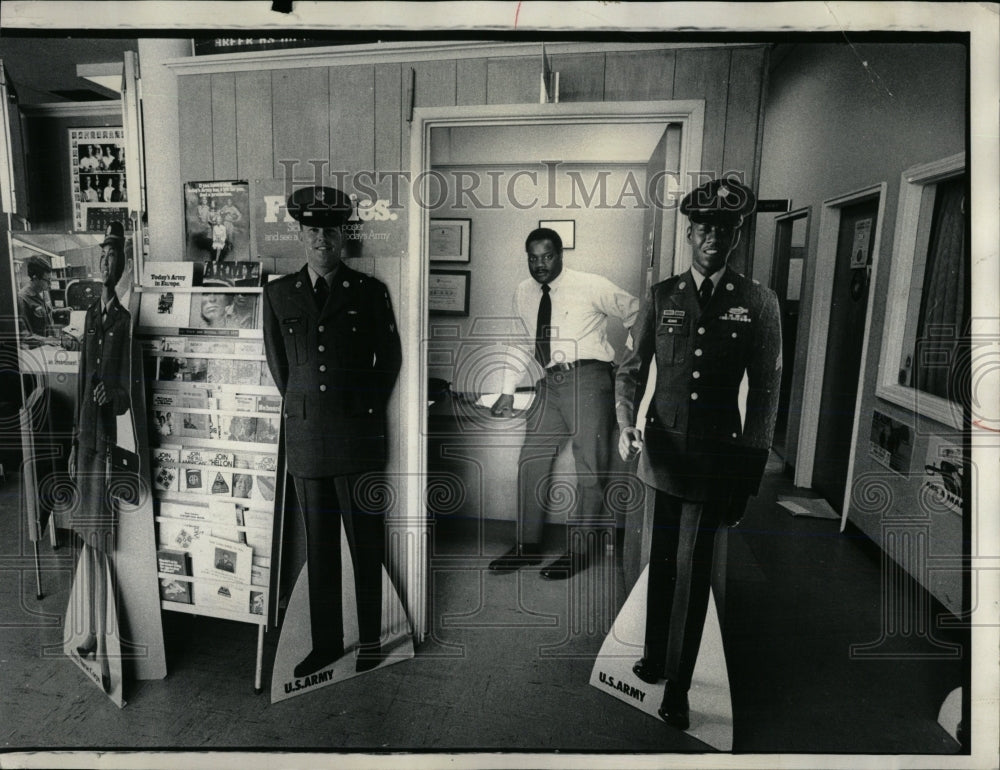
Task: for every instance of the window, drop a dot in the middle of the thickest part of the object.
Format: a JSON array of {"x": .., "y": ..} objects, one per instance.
[{"x": 928, "y": 310}]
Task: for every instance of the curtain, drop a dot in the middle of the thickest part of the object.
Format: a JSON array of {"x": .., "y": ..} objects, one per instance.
[{"x": 944, "y": 309}]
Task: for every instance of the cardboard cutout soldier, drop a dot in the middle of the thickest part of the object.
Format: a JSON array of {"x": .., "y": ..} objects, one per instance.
[
  {"x": 705, "y": 327},
  {"x": 334, "y": 352}
]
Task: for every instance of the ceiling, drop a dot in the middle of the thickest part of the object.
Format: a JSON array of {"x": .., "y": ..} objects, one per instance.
[{"x": 41, "y": 66}]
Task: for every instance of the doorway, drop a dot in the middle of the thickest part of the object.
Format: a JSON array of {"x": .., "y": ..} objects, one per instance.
[
  {"x": 791, "y": 236},
  {"x": 513, "y": 121}
]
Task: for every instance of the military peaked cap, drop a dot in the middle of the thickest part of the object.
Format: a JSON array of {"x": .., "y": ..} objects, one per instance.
[
  {"x": 319, "y": 206},
  {"x": 719, "y": 199}
]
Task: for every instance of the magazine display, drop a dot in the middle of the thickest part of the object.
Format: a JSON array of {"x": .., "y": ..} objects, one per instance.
[{"x": 215, "y": 420}]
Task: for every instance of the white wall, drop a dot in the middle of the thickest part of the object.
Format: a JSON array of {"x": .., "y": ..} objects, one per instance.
[{"x": 834, "y": 125}]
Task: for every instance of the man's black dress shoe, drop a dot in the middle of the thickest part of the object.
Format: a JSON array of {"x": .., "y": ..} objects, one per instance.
[
  {"x": 647, "y": 672},
  {"x": 317, "y": 659},
  {"x": 517, "y": 557},
  {"x": 674, "y": 709},
  {"x": 566, "y": 566},
  {"x": 369, "y": 657}
]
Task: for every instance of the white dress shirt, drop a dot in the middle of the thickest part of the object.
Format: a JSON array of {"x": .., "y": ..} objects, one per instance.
[{"x": 581, "y": 306}]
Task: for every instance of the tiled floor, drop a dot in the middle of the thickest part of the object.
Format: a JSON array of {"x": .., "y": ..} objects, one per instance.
[{"x": 506, "y": 663}]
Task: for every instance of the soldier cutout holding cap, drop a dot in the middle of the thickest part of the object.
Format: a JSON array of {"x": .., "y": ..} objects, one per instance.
[
  {"x": 705, "y": 327},
  {"x": 334, "y": 352}
]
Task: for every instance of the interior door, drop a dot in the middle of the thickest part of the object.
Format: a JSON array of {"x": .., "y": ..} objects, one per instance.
[
  {"x": 657, "y": 262},
  {"x": 788, "y": 267},
  {"x": 855, "y": 244}
]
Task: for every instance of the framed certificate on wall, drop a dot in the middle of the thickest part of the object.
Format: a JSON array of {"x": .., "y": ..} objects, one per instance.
[
  {"x": 448, "y": 292},
  {"x": 448, "y": 240}
]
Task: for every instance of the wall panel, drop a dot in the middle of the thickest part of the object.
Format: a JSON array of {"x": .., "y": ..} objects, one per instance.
[
  {"x": 352, "y": 118},
  {"x": 638, "y": 77},
  {"x": 581, "y": 77},
  {"x": 224, "y": 125},
  {"x": 301, "y": 115},
  {"x": 513, "y": 80},
  {"x": 254, "y": 126},
  {"x": 470, "y": 85},
  {"x": 388, "y": 90},
  {"x": 703, "y": 73},
  {"x": 194, "y": 107}
]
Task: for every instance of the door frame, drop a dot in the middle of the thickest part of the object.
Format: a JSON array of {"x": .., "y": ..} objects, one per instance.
[
  {"x": 690, "y": 114},
  {"x": 819, "y": 332},
  {"x": 803, "y": 212}
]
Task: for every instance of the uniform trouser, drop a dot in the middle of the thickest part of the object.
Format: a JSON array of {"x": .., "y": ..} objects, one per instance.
[
  {"x": 325, "y": 502},
  {"x": 680, "y": 576},
  {"x": 578, "y": 406}
]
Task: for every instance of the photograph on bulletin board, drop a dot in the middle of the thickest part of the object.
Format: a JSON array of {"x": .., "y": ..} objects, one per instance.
[
  {"x": 97, "y": 177},
  {"x": 217, "y": 221}
]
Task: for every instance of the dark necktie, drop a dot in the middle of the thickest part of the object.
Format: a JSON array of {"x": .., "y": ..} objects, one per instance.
[
  {"x": 542, "y": 327},
  {"x": 322, "y": 291},
  {"x": 705, "y": 294}
]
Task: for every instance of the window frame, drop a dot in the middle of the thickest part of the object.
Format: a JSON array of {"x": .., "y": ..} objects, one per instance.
[{"x": 909, "y": 235}]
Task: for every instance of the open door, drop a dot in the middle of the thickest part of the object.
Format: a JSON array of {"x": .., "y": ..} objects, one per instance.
[{"x": 658, "y": 262}]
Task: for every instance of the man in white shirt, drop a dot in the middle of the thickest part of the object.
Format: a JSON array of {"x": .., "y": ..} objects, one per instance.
[{"x": 566, "y": 313}]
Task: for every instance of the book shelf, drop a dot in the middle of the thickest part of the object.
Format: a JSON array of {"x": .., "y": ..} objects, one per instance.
[{"x": 218, "y": 483}]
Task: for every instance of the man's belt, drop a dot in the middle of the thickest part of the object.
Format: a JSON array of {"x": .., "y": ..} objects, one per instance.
[{"x": 553, "y": 368}]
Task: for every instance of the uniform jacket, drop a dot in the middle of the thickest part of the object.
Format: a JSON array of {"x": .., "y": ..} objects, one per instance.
[
  {"x": 104, "y": 357},
  {"x": 336, "y": 367},
  {"x": 35, "y": 316},
  {"x": 695, "y": 445}
]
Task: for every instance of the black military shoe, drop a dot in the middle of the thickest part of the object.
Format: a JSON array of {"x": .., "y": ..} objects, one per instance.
[
  {"x": 317, "y": 659},
  {"x": 647, "y": 672},
  {"x": 517, "y": 557},
  {"x": 674, "y": 709}
]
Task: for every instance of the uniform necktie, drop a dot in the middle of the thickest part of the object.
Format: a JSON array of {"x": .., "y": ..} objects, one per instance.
[
  {"x": 705, "y": 293},
  {"x": 542, "y": 327},
  {"x": 322, "y": 292}
]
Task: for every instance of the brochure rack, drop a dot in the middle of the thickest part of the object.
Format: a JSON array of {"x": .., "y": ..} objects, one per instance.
[{"x": 216, "y": 466}]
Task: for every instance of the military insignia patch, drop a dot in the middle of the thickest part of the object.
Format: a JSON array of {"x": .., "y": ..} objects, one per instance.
[{"x": 740, "y": 314}]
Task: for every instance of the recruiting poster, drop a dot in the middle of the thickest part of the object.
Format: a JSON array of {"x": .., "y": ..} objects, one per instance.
[
  {"x": 97, "y": 177},
  {"x": 217, "y": 221}
]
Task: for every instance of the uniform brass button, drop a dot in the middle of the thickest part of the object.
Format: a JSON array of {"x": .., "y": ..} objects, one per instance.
[
  {"x": 298, "y": 284},
  {"x": 694, "y": 396},
  {"x": 354, "y": 328},
  {"x": 322, "y": 348},
  {"x": 98, "y": 360},
  {"x": 681, "y": 285},
  {"x": 729, "y": 287},
  {"x": 697, "y": 352},
  {"x": 670, "y": 330},
  {"x": 735, "y": 436},
  {"x": 321, "y": 328},
  {"x": 701, "y": 330},
  {"x": 347, "y": 284},
  {"x": 291, "y": 330},
  {"x": 734, "y": 335},
  {"x": 322, "y": 367},
  {"x": 322, "y": 388},
  {"x": 371, "y": 411},
  {"x": 696, "y": 375}
]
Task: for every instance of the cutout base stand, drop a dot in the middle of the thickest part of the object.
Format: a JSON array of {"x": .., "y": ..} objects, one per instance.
[
  {"x": 77, "y": 626},
  {"x": 709, "y": 698},
  {"x": 295, "y": 641}
]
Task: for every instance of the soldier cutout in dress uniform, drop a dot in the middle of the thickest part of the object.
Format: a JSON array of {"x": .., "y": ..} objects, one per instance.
[
  {"x": 334, "y": 352},
  {"x": 705, "y": 327},
  {"x": 103, "y": 394}
]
